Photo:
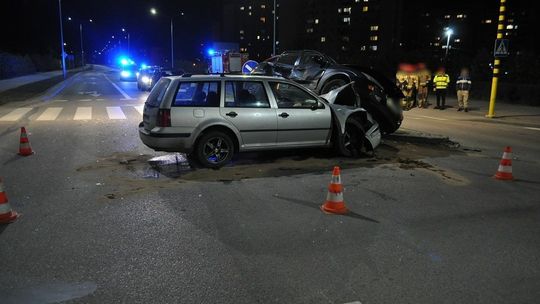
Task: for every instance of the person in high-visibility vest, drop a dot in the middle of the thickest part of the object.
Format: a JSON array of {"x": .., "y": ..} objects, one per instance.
[{"x": 440, "y": 83}]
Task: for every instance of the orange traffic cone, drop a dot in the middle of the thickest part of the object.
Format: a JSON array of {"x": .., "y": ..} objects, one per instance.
[
  {"x": 334, "y": 199},
  {"x": 6, "y": 214},
  {"x": 505, "y": 167},
  {"x": 24, "y": 144}
]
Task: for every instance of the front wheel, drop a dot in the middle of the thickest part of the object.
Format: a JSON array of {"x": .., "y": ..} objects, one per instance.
[
  {"x": 351, "y": 143},
  {"x": 214, "y": 149}
]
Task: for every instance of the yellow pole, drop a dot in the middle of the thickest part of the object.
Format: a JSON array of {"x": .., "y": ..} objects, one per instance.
[{"x": 497, "y": 62}]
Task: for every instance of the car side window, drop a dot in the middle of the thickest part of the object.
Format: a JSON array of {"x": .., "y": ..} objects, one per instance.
[
  {"x": 289, "y": 96},
  {"x": 288, "y": 59},
  {"x": 245, "y": 94},
  {"x": 197, "y": 94}
]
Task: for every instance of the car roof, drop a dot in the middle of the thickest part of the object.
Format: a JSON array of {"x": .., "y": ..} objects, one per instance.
[{"x": 187, "y": 77}]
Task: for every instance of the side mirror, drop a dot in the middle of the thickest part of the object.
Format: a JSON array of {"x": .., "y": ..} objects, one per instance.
[{"x": 317, "y": 106}]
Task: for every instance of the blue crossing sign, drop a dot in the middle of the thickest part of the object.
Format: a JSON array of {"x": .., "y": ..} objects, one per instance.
[
  {"x": 249, "y": 66},
  {"x": 501, "y": 48}
]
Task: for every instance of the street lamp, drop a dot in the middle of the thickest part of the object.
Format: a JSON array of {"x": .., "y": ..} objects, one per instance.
[
  {"x": 153, "y": 11},
  {"x": 449, "y": 32},
  {"x": 62, "y": 39}
]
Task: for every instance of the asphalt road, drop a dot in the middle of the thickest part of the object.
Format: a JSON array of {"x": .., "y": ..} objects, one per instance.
[{"x": 107, "y": 220}]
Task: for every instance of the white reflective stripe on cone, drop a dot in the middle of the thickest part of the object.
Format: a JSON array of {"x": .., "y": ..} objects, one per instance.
[
  {"x": 336, "y": 179},
  {"x": 505, "y": 169},
  {"x": 507, "y": 155},
  {"x": 334, "y": 197},
  {"x": 5, "y": 208}
]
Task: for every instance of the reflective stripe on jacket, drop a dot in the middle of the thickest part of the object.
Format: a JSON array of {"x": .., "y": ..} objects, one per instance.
[
  {"x": 463, "y": 83},
  {"x": 441, "y": 81}
]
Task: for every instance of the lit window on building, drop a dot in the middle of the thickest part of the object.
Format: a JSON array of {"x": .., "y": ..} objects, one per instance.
[
  {"x": 309, "y": 30},
  {"x": 339, "y": 10},
  {"x": 457, "y": 40},
  {"x": 347, "y": 10},
  {"x": 487, "y": 21},
  {"x": 461, "y": 16},
  {"x": 242, "y": 8},
  {"x": 241, "y": 31},
  {"x": 346, "y": 19},
  {"x": 436, "y": 44},
  {"x": 365, "y": 9},
  {"x": 249, "y": 7},
  {"x": 373, "y": 48},
  {"x": 258, "y": 37},
  {"x": 374, "y": 28},
  {"x": 374, "y": 38},
  {"x": 447, "y": 16},
  {"x": 510, "y": 27},
  {"x": 249, "y": 13},
  {"x": 323, "y": 39},
  {"x": 263, "y": 6},
  {"x": 316, "y": 21},
  {"x": 263, "y": 19}
]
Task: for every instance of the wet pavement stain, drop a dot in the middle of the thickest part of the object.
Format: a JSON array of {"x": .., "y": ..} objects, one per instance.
[{"x": 127, "y": 173}]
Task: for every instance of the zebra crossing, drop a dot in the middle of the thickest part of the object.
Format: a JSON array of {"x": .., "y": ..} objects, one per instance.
[{"x": 86, "y": 113}]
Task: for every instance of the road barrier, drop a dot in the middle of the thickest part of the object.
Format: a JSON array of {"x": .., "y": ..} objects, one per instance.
[
  {"x": 334, "y": 199},
  {"x": 24, "y": 144},
  {"x": 7, "y": 215},
  {"x": 505, "y": 166}
]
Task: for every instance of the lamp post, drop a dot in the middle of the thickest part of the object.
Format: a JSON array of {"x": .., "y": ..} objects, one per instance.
[
  {"x": 82, "y": 48},
  {"x": 449, "y": 32},
  {"x": 62, "y": 40},
  {"x": 274, "y": 38},
  {"x": 153, "y": 11}
]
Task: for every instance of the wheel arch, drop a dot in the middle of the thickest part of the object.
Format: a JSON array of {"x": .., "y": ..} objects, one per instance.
[{"x": 222, "y": 128}]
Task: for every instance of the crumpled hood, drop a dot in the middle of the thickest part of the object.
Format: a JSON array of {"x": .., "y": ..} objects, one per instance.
[{"x": 333, "y": 95}]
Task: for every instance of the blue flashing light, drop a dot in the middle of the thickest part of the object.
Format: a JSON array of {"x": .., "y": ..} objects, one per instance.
[
  {"x": 124, "y": 61},
  {"x": 125, "y": 74},
  {"x": 144, "y": 66},
  {"x": 211, "y": 52}
]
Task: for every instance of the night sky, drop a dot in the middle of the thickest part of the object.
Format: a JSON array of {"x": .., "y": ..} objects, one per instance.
[{"x": 32, "y": 26}]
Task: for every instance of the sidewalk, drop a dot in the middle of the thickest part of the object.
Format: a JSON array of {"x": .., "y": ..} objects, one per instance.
[
  {"x": 11, "y": 83},
  {"x": 504, "y": 112}
]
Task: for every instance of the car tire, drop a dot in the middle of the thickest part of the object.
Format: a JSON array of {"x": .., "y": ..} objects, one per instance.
[
  {"x": 332, "y": 84},
  {"x": 206, "y": 150},
  {"x": 351, "y": 143}
]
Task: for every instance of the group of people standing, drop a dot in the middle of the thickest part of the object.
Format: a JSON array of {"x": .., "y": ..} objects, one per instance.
[{"x": 414, "y": 81}]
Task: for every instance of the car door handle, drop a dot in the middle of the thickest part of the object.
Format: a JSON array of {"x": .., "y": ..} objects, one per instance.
[
  {"x": 284, "y": 115},
  {"x": 232, "y": 114}
]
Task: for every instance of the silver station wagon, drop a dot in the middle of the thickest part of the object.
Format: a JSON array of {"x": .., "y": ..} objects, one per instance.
[{"x": 211, "y": 117}]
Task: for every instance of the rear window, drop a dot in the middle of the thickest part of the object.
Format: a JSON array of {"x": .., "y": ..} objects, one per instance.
[
  {"x": 197, "y": 94},
  {"x": 156, "y": 96}
]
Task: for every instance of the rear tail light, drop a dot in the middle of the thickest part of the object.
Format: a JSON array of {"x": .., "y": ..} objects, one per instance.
[{"x": 164, "y": 118}]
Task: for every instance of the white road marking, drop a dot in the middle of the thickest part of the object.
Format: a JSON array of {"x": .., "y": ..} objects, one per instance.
[
  {"x": 85, "y": 99},
  {"x": 49, "y": 114},
  {"x": 83, "y": 113},
  {"x": 100, "y": 99},
  {"x": 531, "y": 128},
  {"x": 139, "y": 109},
  {"x": 115, "y": 113},
  {"x": 15, "y": 114},
  {"x": 60, "y": 100},
  {"x": 126, "y": 96},
  {"x": 431, "y": 117}
]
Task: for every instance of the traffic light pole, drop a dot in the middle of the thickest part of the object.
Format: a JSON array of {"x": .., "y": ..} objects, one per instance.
[{"x": 497, "y": 62}]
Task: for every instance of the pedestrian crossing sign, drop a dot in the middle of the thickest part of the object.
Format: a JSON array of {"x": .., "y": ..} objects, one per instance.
[{"x": 501, "y": 48}]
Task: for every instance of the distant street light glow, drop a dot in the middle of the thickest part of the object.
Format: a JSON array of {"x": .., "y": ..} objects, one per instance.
[{"x": 153, "y": 11}]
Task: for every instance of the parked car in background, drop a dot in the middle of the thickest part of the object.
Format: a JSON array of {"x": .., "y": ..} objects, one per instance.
[
  {"x": 320, "y": 73},
  {"x": 211, "y": 117},
  {"x": 149, "y": 76}
]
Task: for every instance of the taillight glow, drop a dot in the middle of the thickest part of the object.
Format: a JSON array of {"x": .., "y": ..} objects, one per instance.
[{"x": 164, "y": 118}]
